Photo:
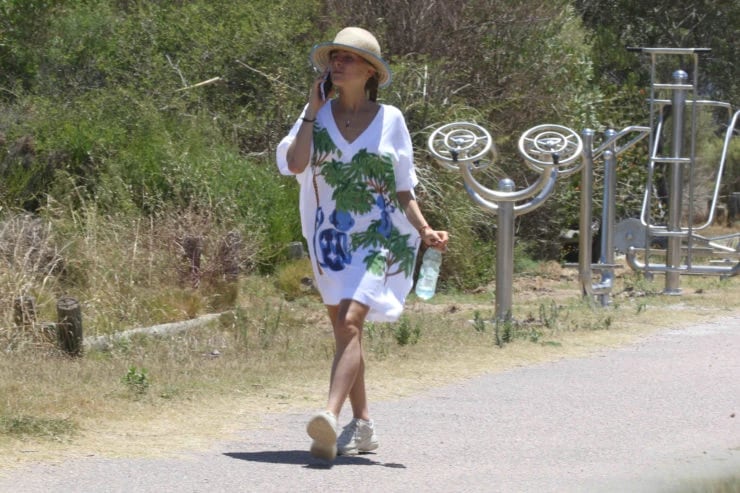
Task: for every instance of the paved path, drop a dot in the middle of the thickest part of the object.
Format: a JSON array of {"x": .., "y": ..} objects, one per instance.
[{"x": 646, "y": 417}]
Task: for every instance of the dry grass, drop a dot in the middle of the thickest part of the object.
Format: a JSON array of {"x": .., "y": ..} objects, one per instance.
[
  {"x": 270, "y": 355},
  {"x": 127, "y": 272},
  {"x": 160, "y": 395},
  {"x": 724, "y": 485}
]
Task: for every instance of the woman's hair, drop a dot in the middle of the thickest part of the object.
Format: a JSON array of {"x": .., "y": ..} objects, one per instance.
[{"x": 371, "y": 88}]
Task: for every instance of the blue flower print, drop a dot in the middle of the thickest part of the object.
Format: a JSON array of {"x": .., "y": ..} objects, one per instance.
[
  {"x": 334, "y": 249},
  {"x": 342, "y": 220}
]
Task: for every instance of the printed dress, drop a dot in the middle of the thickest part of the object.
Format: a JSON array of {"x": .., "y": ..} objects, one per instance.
[{"x": 361, "y": 245}]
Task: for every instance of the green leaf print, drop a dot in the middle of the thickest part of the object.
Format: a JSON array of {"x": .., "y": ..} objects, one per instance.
[
  {"x": 369, "y": 238},
  {"x": 397, "y": 245},
  {"x": 323, "y": 146},
  {"x": 356, "y": 182},
  {"x": 377, "y": 171},
  {"x": 368, "y": 181},
  {"x": 350, "y": 190},
  {"x": 376, "y": 263},
  {"x": 401, "y": 253}
]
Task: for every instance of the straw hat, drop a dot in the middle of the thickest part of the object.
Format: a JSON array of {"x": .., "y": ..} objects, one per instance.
[{"x": 358, "y": 41}]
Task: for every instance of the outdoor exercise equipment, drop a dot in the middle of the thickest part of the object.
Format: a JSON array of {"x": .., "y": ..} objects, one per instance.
[
  {"x": 467, "y": 147},
  {"x": 679, "y": 232},
  {"x": 609, "y": 149}
]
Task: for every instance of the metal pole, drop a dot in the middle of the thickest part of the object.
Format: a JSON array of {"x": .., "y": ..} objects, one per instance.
[
  {"x": 607, "y": 215},
  {"x": 675, "y": 190},
  {"x": 504, "y": 253},
  {"x": 584, "y": 226}
]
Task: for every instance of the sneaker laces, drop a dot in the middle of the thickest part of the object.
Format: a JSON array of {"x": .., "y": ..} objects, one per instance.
[{"x": 349, "y": 433}]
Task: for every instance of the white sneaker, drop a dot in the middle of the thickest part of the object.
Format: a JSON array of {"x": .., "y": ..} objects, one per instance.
[
  {"x": 358, "y": 437},
  {"x": 322, "y": 427}
]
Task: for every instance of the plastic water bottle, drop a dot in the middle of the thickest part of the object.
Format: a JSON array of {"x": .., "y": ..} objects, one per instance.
[{"x": 427, "y": 281}]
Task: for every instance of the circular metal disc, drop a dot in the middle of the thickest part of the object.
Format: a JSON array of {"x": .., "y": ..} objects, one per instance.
[
  {"x": 629, "y": 233},
  {"x": 462, "y": 143},
  {"x": 538, "y": 144}
]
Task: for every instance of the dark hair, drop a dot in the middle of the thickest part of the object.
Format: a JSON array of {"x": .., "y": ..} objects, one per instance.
[{"x": 371, "y": 88}]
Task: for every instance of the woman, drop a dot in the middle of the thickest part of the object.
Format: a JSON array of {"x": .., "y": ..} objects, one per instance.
[{"x": 354, "y": 161}]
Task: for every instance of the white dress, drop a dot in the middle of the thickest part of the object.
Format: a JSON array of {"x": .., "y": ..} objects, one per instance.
[{"x": 361, "y": 245}]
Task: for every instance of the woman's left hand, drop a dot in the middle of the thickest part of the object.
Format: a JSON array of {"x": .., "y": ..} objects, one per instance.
[{"x": 435, "y": 239}]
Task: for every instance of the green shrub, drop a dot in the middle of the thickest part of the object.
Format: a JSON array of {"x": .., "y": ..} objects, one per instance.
[{"x": 136, "y": 380}]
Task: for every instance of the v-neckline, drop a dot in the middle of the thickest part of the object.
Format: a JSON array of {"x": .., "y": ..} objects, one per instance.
[{"x": 338, "y": 129}]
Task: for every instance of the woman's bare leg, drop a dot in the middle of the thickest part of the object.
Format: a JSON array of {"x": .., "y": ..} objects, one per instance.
[{"x": 348, "y": 368}]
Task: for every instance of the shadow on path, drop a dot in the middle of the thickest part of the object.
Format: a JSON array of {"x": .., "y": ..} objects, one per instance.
[{"x": 301, "y": 457}]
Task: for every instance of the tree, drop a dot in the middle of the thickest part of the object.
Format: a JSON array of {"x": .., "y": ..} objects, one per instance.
[{"x": 713, "y": 24}]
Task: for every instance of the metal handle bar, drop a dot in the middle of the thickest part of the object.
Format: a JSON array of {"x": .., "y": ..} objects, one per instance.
[
  {"x": 545, "y": 183},
  {"x": 644, "y": 216},
  {"x": 642, "y": 132},
  {"x": 728, "y": 138},
  {"x": 699, "y": 102},
  {"x": 669, "y": 51},
  {"x": 488, "y": 194}
]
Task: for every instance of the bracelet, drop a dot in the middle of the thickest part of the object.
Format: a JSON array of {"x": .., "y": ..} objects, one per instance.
[
  {"x": 421, "y": 230},
  {"x": 308, "y": 120}
]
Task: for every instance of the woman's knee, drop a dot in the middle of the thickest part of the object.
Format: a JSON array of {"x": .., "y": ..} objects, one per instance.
[
  {"x": 347, "y": 330},
  {"x": 350, "y": 319}
]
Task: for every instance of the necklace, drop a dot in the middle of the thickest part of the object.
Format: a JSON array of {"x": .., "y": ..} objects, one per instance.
[{"x": 348, "y": 117}]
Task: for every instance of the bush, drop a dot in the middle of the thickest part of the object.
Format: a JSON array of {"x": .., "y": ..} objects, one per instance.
[{"x": 99, "y": 106}]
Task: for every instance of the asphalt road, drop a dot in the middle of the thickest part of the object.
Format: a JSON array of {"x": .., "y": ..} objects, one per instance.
[{"x": 649, "y": 417}]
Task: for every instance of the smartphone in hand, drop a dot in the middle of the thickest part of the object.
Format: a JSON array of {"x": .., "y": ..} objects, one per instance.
[{"x": 326, "y": 86}]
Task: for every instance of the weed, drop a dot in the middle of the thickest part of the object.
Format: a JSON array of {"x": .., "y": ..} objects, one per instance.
[
  {"x": 268, "y": 329},
  {"x": 641, "y": 307},
  {"x": 549, "y": 315},
  {"x": 479, "y": 324},
  {"x": 405, "y": 334},
  {"x": 136, "y": 380},
  {"x": 503, "y": 331},
  {"x": 599, "y": 322},
  {"x": 534, "y": 334}
]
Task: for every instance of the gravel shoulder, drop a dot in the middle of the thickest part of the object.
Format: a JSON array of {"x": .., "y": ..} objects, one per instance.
[{"x": 651, "y": 416}]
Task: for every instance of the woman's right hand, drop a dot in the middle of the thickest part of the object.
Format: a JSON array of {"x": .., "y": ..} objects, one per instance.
[
  {"x": 299, "y": 151},
  {"x": 315, "y": 103}
]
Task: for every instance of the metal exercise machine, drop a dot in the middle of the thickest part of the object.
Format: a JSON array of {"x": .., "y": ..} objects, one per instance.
[
  {"x": 683, "y": 244},
  {"x": 467, "y": 147},
  {"x": 609, "y": 149}
]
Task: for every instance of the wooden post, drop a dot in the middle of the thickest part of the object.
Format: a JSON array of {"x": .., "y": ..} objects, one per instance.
[
  {"x": 229, "y": 254},
  {"x": 224, "y": 283},
  {"x": 295, "y": 250},
  {"x": 24, "y": 311},
  {"x": 733, "y": 208},
  {"x": 192, "y": 247},
  {"x": 69, "y": 326}
]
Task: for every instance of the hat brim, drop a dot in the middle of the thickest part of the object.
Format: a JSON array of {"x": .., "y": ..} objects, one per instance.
[{"x": 321, "y": 52}]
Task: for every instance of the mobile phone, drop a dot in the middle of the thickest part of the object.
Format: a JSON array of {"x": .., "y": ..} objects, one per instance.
[{"x": 326, "y": 86}]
